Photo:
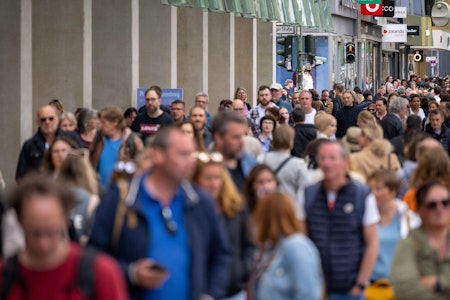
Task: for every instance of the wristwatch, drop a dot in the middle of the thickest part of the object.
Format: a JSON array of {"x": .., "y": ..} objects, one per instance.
[{"x": 362, "y": 286}]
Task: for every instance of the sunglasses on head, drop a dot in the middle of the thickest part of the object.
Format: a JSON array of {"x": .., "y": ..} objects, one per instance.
[
  {"x": 46, "y": 118},
  {"x": 431, "y": 205},
  {"x": 205, "y": 157}
]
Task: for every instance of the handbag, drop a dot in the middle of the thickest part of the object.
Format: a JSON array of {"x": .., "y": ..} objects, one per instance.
[{"x": 380, "y": 290}]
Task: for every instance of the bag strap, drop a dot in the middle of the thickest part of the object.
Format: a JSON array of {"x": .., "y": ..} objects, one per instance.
[
  {"x": 85, "y": 279},
  {"x": 284, "y": 162},
  {"x": 11, "y": 275},
  {"x": 121, "y": 211}
]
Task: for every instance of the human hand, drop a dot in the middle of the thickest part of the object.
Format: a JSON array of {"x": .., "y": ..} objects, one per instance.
[
  {"x": 429, "y": 281},
  {"x": 356, "y": 291},
  {"x": 148, "y": 277}
]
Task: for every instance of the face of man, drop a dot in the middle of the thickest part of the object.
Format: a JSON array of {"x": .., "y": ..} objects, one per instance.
[
  {"x": 264, "y": 97},
  {"x": 48, "y": 120},
  {"x": 152, "y": 102},
  {"x": 347, "y": 99},
  {"x": 403, "y": 112},
  {"x": 44, "y": 224},
  {"x": 295, "y": 99},
  {"x": 276, "y": 95},
  {"x": 238, "y": 106},
  {"x": 436, "y": 121},
  {"x": 201, "y": 101},
  {"x": 198, "y": 116},
  {"x": 325, "y": 96},
  {"x": 380, "y": 107},
  {"x": 306, "y": 102},
  {"x": 331, "y": 161},
  {"x": 231, "y": 144},
  {"x": 177, "y": 160},
  {"x": 108, "y": 127},
  {"x": 177, "y": 112}
]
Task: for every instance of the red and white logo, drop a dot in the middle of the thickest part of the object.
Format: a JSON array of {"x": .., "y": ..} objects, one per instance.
[{"x": 372, "y": 9}]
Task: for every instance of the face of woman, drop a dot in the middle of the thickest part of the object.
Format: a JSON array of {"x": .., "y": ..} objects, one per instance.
[
  {"x": 435, "y": 210},
  {"x": 188, "y": 129},
  {"x": 108, "y": 127},
  {"x": 284, "y": 113},
  {"x": 415, "y": 103},
  {"x": 67, "y": 125},
  {"x": 331, "y": 129},
  {"x": 59, "y": 153},
  {"x": 381, "y": 192},
  {"x": 211, "y": 180},
  {"x": 242, "y": 95},
  {"x": 264, "y": 182},
  {"x": 267, "y": 126},
  {"x": 432, "y": 106},
  {"x": 92, "y": 123}
]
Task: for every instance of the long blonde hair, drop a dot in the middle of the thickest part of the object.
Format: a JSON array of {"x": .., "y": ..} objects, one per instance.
[{"x": 229, "y": 199}]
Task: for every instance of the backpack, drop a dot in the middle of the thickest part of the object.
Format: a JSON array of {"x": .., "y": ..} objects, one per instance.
[{"x": 84, "y": 279}]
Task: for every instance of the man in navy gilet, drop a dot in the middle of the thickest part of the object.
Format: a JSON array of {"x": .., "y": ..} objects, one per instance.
[{"x": 341, "y": 216}]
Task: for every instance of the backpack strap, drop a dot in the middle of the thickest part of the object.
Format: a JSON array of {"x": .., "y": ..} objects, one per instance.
[
  {"x": 85, "y": 280},
  {"x": 121, "y": 211},
  {"x": 283, "y": 163},
  {"x": 11, "y": 275}
]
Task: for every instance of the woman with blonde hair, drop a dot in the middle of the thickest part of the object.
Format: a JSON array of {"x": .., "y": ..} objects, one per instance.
[
  {"x": 211, "y": 175},
  {"x": 288, "y": 264},
  {"x": 326, "y": 125},
  {"x": 375, "y": 153},
  {"x": 364, "y": 118}
]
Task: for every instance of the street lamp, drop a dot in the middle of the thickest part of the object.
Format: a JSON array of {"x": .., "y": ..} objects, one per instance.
[{"x": 440, "y": 13}]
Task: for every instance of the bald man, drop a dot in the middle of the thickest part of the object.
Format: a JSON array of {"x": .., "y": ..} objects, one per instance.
[{"x": 33, "y": 149}]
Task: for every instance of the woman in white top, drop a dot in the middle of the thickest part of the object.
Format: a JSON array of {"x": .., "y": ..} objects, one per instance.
[{"x": 414, "y": 106}]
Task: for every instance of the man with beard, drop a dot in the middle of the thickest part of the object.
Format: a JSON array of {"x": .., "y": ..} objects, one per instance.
[
  {"x": 149, "y": 121},
  {"x": 228, "y": 131},
  {"x": 198, "y": 116}
]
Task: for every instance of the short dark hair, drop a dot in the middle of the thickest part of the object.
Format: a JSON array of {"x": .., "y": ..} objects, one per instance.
[
  {"x": 424, "y": 189},
  {"x": 178, "y": 101},
  {"x": 270, "y": 118},
  {"x": 42, "y": 185},
  {"x": 436, "y": 112},
  {"x": 129, "y": 111},
  {"x": 222, "y": 119},
  {"x": 156, "y": 89},
  {"x": 298, "y": 115},
  {"x": 263, "y": 87},
  {"x": 413, "y": 122}
]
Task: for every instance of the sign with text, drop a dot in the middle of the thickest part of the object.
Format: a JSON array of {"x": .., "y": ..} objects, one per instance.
[
  {"x": 388, "y": 8},
  {"x": 168, "y": 95},
  {"x": 371, "y": 10},
  {"x": 413, "y": 30},
  {"x": 396, "y": 33},
  {"x": 400, "y": 12}
]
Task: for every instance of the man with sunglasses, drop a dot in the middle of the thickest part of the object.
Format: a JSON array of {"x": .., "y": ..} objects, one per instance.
[
  {"x": 170, "y": 243},
  {"x": 32, "y": 153}
]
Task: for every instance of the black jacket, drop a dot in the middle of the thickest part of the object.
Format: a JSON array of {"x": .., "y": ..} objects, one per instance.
[
  {"x": 242, "y": 251},
  {"x": 346, "y": 117},
  {"x": 392, "y": 126},
  {"x": 304, "y": 133},
  {"x": 32, "y": 153}
]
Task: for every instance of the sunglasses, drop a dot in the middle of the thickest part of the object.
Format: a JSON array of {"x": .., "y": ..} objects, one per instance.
[
  {"x": 432, "y": 205},
  {"x": 205, "y": 157},
  {"x": 167, "y": 215},
  {"x": 371, "y": 109},
  {"x": 47, "y": 118}
]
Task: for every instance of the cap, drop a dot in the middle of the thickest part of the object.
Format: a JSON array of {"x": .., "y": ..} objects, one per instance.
[
  {"x": 350, "y": 140},
  {"x": 276, "y": 86}
]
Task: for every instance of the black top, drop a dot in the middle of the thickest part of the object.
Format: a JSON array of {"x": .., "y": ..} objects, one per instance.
[{"x": 147, "y": 126}]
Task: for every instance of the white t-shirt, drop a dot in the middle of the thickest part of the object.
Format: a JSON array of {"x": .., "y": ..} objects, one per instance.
[
  {"x": 371, "y": 215},
  {"x": 309, "y": 118}
]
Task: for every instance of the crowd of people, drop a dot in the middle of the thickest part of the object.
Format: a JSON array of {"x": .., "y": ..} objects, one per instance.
[{"x": 338, "y": 195}]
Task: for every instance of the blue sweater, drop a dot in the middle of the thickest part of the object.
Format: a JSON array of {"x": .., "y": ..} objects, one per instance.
[{"x": 209, "y": 248}]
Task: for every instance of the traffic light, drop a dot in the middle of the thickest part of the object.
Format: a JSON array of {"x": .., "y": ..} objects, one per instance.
[
  {"x": 310, "y": 48},
  {"x": 286, "y": 52},
  {"x": 350, "y": 53}
]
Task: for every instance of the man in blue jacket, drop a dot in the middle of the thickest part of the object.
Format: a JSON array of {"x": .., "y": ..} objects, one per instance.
[{"x": 171, "y": 244}]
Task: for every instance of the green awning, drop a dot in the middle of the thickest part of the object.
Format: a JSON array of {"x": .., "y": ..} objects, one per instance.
[{"x": 306, "y": 13}]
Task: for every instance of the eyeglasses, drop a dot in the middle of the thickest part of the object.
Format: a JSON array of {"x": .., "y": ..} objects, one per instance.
[
  {"x": 371, "y": 109},
  {"x": 432, "y": 205},
  {"x": 167, "y": 216},
  {"x": 47, "y": 118},
  {"x": 205, "y": 157}
]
